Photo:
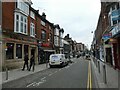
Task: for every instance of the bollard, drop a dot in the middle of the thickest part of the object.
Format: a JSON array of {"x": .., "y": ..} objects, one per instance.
[
  {"x": 119, "y": 79},
  {"x": 46, "y": 64},
  {"x": 104, "y": 74},
  {"x": 6, "y": 73},
  {"x": 99, "y": 66}
]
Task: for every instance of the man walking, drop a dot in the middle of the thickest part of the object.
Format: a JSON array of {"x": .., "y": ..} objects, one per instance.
[
  {"x": 26, "y": 62},
  {"x": 32, "y": 62}
]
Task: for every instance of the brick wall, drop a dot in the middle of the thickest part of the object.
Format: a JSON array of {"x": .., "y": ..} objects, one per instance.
[{"x": 8, "y": 15}]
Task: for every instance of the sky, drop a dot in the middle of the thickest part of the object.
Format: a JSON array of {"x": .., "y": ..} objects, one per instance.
[{"x": 78, "y": 18}]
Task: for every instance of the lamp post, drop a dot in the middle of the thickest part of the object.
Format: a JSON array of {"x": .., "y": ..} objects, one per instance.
[{"x": 39, "y": 49}]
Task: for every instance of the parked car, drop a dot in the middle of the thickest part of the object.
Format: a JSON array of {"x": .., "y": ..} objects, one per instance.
[
  {"x": 87, "y": 56},
  {"x": 57, "y": 60}
]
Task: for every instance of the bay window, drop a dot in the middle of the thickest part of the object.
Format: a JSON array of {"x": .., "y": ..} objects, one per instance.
[
  {"x": 20, "y": 23},
  {"x": 24, "y": 7}
]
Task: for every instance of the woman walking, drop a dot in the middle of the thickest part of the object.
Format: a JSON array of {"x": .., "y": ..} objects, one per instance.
[{"x": 32, "y": 62}]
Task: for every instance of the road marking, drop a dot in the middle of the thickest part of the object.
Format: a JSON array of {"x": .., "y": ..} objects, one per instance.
[
  {"x": 59, "y": 69},
  {"x": 31, "y": 84},
  {"x": 55, "y": 72},
  {"x": 43, "y": 78},
  {"x": 67, "y": 67},
  {"x": 89, "y": 82},
  {"x": 37, "y": 84},
  {"x": 50, "y": 74}
]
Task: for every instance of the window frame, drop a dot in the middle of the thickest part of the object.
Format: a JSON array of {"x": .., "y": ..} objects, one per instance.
[
  {"x": 43, "y": 23},
  {"x": 43, "y": 35},
  {"x": 24, "y": 7},
  {"x": 17, "y": 51},
  {"x": 32, "y": 14},
  {"x": 24, "y": 22},
  {"x": 7, "y": 52},
  {"x": 32, "y": 29}
]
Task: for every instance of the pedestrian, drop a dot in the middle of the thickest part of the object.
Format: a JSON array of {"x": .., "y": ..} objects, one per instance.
[
  {"x": 32, "y": 62},
  {"x": 26, "y": 61}
]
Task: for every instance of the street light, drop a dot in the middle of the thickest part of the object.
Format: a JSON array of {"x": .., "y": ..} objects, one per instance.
[{"x": 39, "y": 49}]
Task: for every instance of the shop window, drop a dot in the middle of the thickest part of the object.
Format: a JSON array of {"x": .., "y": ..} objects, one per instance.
[
  {"x": 114, "y": 22},
  {"x": 9, "y": 51},
  {"x": 118, "y": 21},
  {"x": 25, "y": 49},
  {"x": 18, "y": 51}
]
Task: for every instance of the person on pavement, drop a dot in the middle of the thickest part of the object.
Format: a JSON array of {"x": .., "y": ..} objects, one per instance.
[
  {"x": 26, "y": 62},
  {"x": 32, "y": 62}
]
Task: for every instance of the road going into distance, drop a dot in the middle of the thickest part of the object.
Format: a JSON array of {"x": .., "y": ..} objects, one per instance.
[{"x": 78, "y": 74}]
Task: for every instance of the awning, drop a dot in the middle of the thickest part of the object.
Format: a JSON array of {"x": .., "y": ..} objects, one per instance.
[{"x": 49, "y": 50}]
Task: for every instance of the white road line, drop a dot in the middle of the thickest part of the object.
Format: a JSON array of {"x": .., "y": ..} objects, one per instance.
[
  {"x": 55, "y": 72},
  {"x": 59, "y": 69},
  {"x": 43, "y": 78},
  {"x": 37, "y": 84},
  {"x": 67, "y": 67},
  {"x": 31, "y": 84},
  {"x": 50, "y": 74}
]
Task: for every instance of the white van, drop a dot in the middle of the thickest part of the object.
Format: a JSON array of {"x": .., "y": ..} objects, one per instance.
[{"x": 57, "y": 59}]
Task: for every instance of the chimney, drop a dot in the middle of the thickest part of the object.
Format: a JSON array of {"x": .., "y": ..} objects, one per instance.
[
  {"x": 43, "y": 15},
  {"x": 67, "y": 35},
  {"x": 37, "y": 11}
]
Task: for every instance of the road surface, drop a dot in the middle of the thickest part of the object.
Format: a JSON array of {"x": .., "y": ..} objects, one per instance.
[{"x": 78, "y": 74}]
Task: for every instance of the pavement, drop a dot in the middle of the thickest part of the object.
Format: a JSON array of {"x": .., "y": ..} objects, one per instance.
[
  {"x": 111, "y": 79},
  {"x": 99, "y": 79},
  {"x": 18, "y": 73}
]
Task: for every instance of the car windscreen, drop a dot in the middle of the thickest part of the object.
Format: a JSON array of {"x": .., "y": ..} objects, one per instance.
[{"x": 55, "y": 57}]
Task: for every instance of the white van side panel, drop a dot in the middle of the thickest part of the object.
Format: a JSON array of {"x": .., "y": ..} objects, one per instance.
[{"x": 57, "y": 59}]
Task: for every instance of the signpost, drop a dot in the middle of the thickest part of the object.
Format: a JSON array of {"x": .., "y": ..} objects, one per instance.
[{"x": 106, "y": 36}]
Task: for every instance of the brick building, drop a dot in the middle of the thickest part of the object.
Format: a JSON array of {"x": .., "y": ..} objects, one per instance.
[
  {"x": 24, "y": 31},
  {"x": 58, "y": 39},
  {"x": 106, "y": 39},
  {"x": 18, "y": 39},
  {"x": 45, "y": 36}
]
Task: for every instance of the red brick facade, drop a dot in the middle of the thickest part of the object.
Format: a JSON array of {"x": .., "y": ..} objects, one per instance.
[
  {"x": 21, "y": 41},
  {"x": 8, "y": 15}
]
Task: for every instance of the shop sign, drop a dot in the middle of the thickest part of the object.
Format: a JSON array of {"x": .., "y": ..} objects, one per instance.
[
  {"x": 106, "y": 36},
  {"x": 113, "y": 40},
  {"x": 107, "y": 46},
  {"x": 115, "y": 30},
  {"x": 45, "y": 45}
]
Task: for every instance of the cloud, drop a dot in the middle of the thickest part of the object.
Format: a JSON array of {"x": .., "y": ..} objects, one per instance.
[{"x": 77, "y": 17}]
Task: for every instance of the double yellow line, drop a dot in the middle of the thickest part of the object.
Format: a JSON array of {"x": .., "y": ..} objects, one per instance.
[{"x": 89, "y": 82}]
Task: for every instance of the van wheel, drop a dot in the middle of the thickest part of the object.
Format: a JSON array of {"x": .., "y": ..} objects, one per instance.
[{"x": 51, "y": 66}]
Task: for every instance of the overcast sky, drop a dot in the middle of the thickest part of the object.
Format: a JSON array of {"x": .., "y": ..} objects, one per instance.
[{"x": 77, "y": 17}]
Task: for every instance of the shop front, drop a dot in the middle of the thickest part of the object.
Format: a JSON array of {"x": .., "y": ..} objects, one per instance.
[
  {"x": 115, "y": 40},
  {"x": 44, "y": 52},
  {"x": 14, "y": 51}
]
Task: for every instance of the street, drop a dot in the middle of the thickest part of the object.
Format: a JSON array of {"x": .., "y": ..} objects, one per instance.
[{"x": 78, "y": 74}]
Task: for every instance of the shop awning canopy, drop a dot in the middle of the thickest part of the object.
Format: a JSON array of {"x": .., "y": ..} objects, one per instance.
[{"x": 49, "y": 50}]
